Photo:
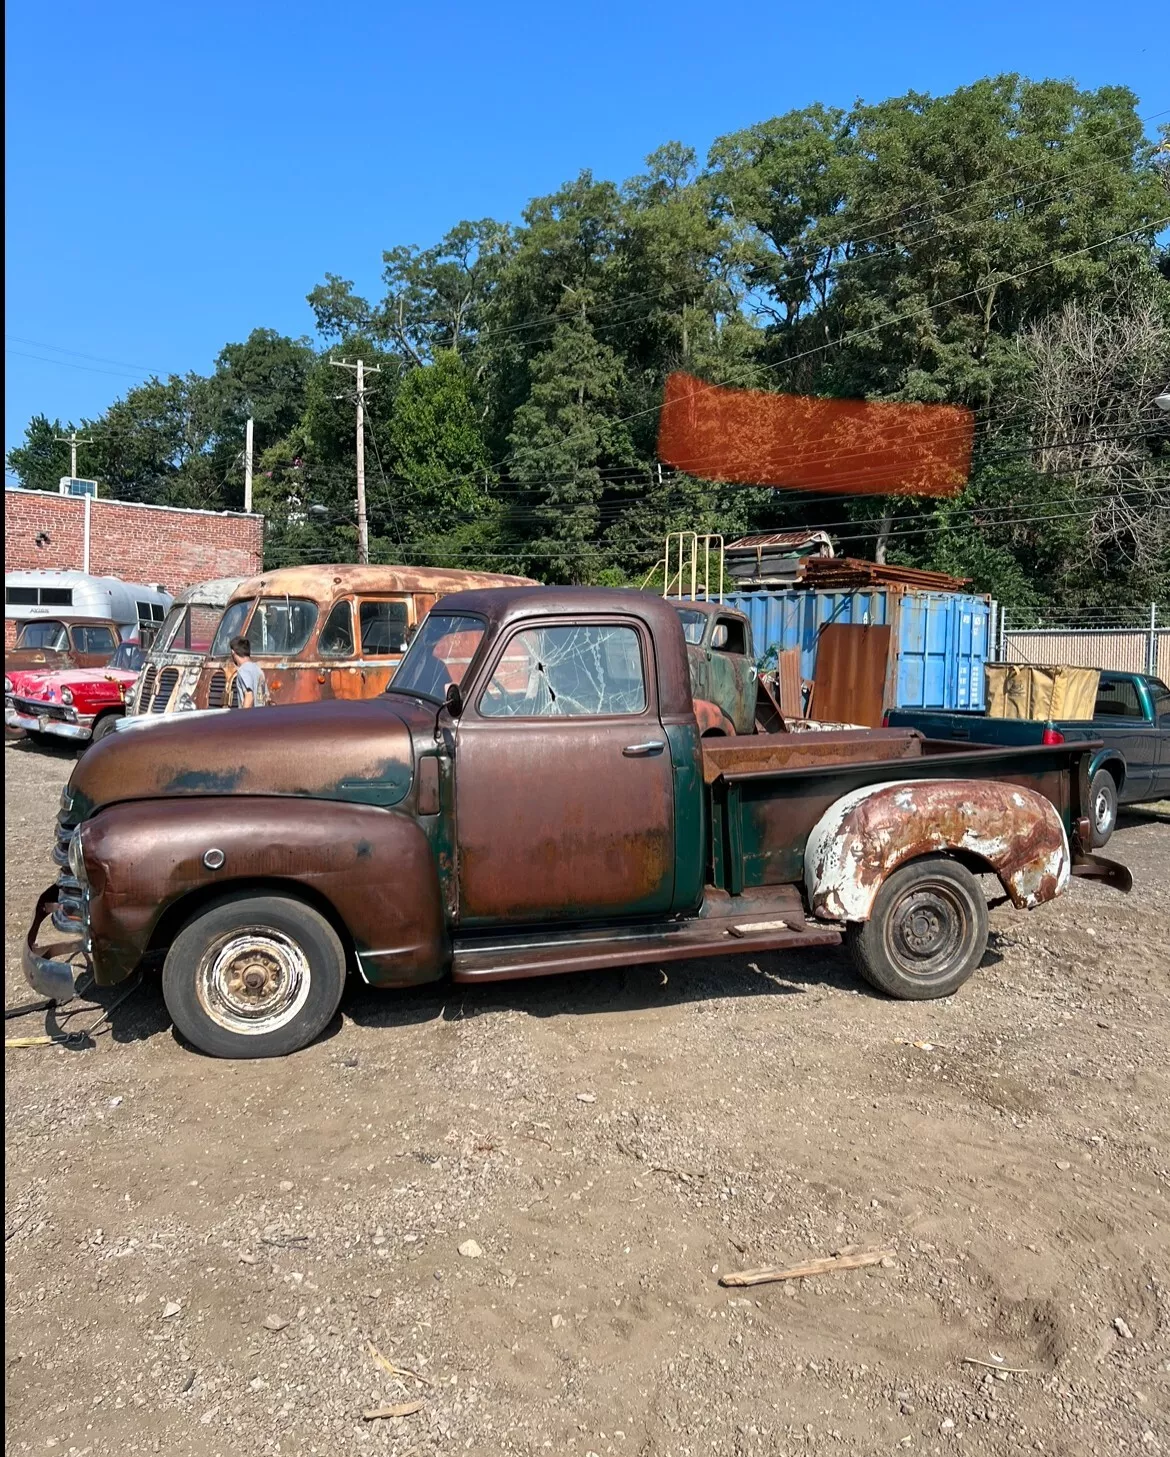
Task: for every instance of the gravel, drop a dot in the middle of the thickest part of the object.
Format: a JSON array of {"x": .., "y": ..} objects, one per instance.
[{"x": 243, "y": 1258}]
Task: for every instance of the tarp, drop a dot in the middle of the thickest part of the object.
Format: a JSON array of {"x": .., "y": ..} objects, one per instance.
[{"x": 1023, "y": 690}]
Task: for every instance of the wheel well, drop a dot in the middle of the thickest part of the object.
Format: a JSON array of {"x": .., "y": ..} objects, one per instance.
[
  {"x": 180, "y": 911},
  {"x": 1115, "y": 769}
]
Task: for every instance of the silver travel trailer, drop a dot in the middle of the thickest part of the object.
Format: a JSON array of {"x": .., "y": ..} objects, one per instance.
[{"x": 137, "y": 609}]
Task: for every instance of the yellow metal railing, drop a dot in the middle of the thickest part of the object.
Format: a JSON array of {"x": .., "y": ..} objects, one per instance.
[{"x": 688, "y": 561}]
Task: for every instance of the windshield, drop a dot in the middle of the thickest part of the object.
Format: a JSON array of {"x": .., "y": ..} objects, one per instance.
[
  {"x": 128, "y": 657},
  {"x": 189, "y": 628},
  {"x": 229, "y": 626},
  {"x": 693, "y": 623},
  {"x": 43, "y": 635},
  {"x": 440, "y": 653},
  {"x": 281, "y": 625}
]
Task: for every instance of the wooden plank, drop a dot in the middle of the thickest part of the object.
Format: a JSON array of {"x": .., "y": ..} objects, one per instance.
[{"x": 769, "y": 1274}]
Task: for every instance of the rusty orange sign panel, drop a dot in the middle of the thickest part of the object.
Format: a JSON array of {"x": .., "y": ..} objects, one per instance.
[{"x": 804, "y": 443}]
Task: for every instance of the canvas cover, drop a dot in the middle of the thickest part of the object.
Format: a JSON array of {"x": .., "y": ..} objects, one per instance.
[{"x": 1025, "y": 690}]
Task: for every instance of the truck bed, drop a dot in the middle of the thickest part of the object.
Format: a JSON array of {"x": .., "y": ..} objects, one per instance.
[{"x": 765, "y": 793}]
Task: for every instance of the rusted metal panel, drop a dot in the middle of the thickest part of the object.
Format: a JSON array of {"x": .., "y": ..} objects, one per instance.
[
  {"x": 852, "y": 667},
  {"x": 870, "y": 832},
  {"x": 372, "y": 868},
  {"x": 767, "y": 753}
]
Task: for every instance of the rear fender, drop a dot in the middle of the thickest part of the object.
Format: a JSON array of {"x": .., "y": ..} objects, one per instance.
[
  {"x": 373, "y": 867},
  {"x": 869, "y": 833},
  {"x": 1108, "y": 759}
]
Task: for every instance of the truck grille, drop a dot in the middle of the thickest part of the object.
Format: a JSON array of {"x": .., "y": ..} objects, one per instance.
[
  {"x": 217, "y": 689},
  {"x": 145, "y": 690},
  {"x": 167, "y": 680}
]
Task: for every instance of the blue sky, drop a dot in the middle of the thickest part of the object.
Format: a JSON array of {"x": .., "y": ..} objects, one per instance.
[{"x": 180, "y": 174}]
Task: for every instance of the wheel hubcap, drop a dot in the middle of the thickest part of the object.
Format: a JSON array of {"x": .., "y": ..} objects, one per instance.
[
  {"x": 928, "y": 930},
  {"x": 1103, "y": 812},
  {"x": 253, "y": 980}
]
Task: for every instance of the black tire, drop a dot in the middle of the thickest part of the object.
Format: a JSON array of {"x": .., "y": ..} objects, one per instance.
[
  {"x": 1102, "y": 807},
  {"x": 927, "y": 931},
  {"x": 104, "y": 727},
  {"x": 287, "y": 971}
]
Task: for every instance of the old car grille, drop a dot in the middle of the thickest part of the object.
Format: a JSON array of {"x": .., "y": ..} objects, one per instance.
[
  {"x": 39, "y": 710},
  {"x": 64, "y": 835},
  {"x": 217, "y": 689},
  {"x": 145, "y": 690},
  {"x": 167, "y": 680}
]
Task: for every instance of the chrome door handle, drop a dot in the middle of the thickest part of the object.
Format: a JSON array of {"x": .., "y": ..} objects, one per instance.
[{"x": 643, "y": 751}]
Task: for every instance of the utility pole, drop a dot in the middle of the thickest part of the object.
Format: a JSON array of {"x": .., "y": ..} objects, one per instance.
[
  {"x": 248, "y": 465},
  {"x": 362, "y": 525},
  {"x": 72, "y": 441}
]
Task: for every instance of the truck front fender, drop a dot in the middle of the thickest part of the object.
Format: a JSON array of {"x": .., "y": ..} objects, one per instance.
[
  {"x": 867, "y": 834},
  {"x": 150, "y": 860}
]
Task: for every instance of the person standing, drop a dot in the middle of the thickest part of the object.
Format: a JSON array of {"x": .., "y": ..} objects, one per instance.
[{"x": 251, "y": 686}]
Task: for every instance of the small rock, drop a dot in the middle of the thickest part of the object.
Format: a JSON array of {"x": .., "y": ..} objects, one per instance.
[
  {"x": 887, "y": 1262},
  {"x": 115, "y": 1102},
  {"x": 170, "y": 1309},
  {"x": 946, "y": 1425},
  {"x": 1122, "y": 1329},
  {"x": 557, "y": 1322},
  {"x": 188, "y": 1382},
  {"x": 285, "y": 1186},
  {"x": 248, "y": 1259},
  {"x": 1063, "y": 1164},
  {"x": 470, "y": 1250},
  {"x": 274, "y": 1323},
  {"x": 586, "y": 1097},
  {"x": 209, "y": 1416}
]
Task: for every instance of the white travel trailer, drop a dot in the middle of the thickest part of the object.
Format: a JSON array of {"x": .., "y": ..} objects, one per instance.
[{"x": 137, "y": 609}]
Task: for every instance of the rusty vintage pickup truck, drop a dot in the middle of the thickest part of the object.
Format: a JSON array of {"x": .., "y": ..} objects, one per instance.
[{"x": 532, "y": 795}]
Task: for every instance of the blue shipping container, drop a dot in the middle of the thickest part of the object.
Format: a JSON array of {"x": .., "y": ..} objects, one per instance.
[{"x": 940, "y": 638}]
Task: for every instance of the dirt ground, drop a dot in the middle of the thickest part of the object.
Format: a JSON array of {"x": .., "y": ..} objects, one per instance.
[{"x": 201, "y": 1255}]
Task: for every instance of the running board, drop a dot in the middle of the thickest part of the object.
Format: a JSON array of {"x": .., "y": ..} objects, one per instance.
[{"x": 501, "y": 958}]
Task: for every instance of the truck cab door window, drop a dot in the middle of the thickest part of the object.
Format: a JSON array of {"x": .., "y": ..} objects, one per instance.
[
  {"x": 728, "y": 637},
  {"x": 567, "y": 672},
  {"x": 93, "y": 640},
  {"x": 337, "y": 634}
]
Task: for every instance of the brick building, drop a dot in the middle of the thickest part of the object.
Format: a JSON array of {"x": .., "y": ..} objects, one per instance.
[{"x": 166, "y": 545}]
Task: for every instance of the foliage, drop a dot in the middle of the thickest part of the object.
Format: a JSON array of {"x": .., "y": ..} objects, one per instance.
[{"x": 998, "y": 247}]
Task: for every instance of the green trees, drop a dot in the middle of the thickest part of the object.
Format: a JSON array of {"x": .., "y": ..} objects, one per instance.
[{"x": 997, "y": 248}]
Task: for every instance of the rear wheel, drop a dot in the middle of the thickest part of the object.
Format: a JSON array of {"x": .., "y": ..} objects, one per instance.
[
  {"x": 254, "y": 976},
  {"x": 1103, "y": 798},
  {"x": 927, "y": 931}
]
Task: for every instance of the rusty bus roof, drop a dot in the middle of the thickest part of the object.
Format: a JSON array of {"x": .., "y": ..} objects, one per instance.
[{"x": 335, "y": 580}]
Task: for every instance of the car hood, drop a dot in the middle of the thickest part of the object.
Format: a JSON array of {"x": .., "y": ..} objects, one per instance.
[
  {"x": 46, "y": 660},
  {"x": 358, "y": 751},
  {"x": 49, "y": 685}
]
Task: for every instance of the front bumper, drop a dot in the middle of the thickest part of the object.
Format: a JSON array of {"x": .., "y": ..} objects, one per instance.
[
  {"x": 14, "y": 719},
  {"x": 44, "y": 969}
]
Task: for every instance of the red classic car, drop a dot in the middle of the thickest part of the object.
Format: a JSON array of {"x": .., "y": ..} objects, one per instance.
[{"x": 81, "y": 704}]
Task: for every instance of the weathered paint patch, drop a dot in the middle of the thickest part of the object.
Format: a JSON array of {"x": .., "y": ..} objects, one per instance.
[
  {"x": 205, "y": 781},
  {"x": 867, "y": 834}
]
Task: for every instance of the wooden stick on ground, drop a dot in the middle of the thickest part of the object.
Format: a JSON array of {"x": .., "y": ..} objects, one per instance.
[
  {"x": 403, "y": 1409},
  {"x": 392, "y": 1370},
  {"x": 766, "y": 1274}
]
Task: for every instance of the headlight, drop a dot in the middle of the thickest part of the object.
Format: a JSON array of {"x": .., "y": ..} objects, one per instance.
[
  {"x": 76, "y": 859},
  {"x": 186, "y": 704},
  {"x": 66, "y": 695},
  {"x": 7, "y": 683}
]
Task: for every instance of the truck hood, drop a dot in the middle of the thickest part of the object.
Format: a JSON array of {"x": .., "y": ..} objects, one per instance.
[{"x": 357, "y": 751}]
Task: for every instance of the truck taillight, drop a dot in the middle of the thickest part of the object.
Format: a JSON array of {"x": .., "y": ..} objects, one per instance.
[
  {"x": 1052, "y": 736},
  {"x": 886, "y": 719}
]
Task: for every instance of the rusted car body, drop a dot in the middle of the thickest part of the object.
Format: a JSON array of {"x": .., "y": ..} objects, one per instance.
[
  {"x": 171, "y": 674},
  {"x": 722, "y": 667},
  {"x": 327, "y": 632},
  {"x": 48, "y": 644},
  {"x": 533, "y": 795}
]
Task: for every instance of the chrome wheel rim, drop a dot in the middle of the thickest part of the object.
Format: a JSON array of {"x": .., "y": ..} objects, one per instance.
[
  {"x": 928, "y": 929},
  {"x": 253, "y": 980},
  {"x": 1102, "y": 812}
]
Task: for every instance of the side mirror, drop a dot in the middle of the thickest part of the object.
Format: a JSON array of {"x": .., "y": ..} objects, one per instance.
[{"x": 454, "y": 700}]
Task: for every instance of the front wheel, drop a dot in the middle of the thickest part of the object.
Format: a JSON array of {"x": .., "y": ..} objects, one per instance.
[
  {"x": 927, "y": 931},
  {"x": 1103, "y": 798},
  {"x": 254, "y": 976},
  {"x": 104, "y": 727}
]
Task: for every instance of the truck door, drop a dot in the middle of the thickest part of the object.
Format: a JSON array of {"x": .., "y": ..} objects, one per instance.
[
  {"x": 1121, "y": 716},
  {"x": 1160, "y": 700},
  {"x": 564, "y": 801}
]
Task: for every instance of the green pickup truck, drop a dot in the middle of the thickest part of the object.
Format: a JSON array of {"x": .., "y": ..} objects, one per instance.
[
  {"x": 1130, "y": 728},
  {"x": 531, "y": 795}
]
